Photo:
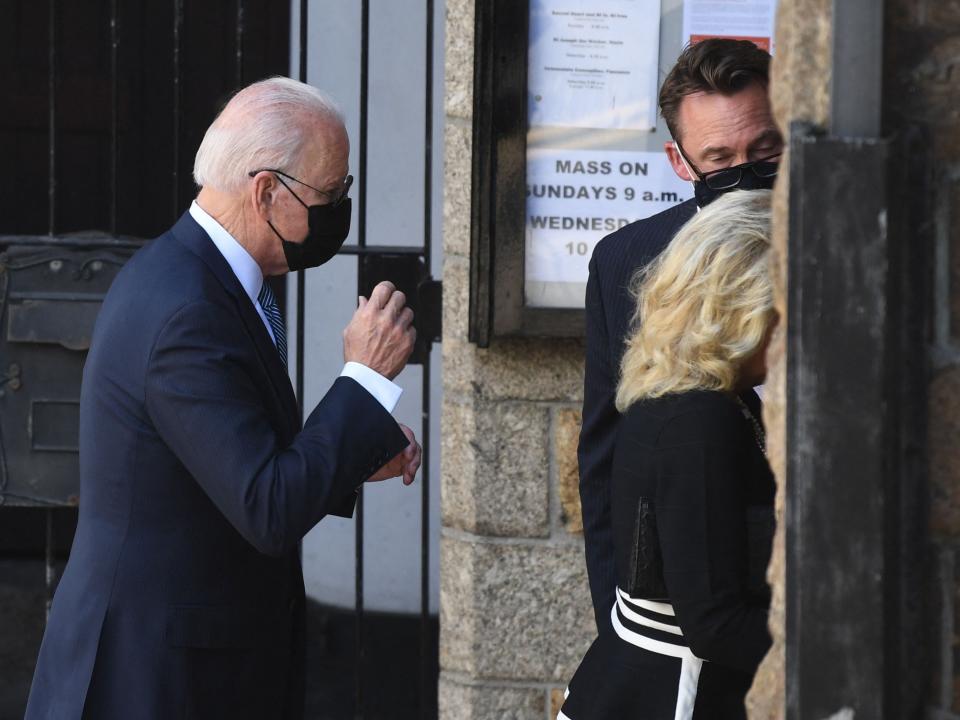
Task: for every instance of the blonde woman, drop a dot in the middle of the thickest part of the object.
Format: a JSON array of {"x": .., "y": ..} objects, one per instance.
[{"x": 692, "y": 494}]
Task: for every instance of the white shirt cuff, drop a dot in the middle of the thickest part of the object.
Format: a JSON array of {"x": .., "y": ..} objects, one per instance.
[{"x": 385, "y": 392}]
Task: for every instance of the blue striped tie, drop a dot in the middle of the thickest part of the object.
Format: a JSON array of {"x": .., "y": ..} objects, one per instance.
[{"x": 268, "y": 302}]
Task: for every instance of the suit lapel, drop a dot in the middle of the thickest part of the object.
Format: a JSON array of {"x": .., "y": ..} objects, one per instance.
[{"x": 190, "y": 234}]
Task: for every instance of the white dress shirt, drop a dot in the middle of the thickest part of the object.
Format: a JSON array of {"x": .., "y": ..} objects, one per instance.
[{"x": 251, "y": 278}]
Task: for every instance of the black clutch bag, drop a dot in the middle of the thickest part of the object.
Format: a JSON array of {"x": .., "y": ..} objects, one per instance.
[{"x": 646, "y": 562}]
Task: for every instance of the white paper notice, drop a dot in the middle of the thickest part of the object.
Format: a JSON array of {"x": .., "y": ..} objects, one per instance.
[
  {"x": 740, "y": 19},
  {"x": 593, "y": 63},
  {"x": 574, "y": 199}
]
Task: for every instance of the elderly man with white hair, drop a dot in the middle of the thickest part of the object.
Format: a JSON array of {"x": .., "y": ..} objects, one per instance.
[{"x": 183, "y": 596}]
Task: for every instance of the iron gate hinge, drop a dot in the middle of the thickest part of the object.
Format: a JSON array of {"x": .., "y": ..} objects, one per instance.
[{"x": 409, "y": 274}]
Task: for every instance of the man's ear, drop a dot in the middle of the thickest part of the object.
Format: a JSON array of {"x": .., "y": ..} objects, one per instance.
[
  {"x": 263, "y": 192},
  {"x": 676, "y": 162}
]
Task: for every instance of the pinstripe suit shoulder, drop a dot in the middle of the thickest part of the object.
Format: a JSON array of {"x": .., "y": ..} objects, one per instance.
[{"x": 609, "y": 308}]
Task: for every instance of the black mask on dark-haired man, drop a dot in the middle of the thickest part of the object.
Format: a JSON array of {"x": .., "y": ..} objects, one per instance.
[
  {"x": 753, "y": 175},
  {"x": 748, "y": 181}
]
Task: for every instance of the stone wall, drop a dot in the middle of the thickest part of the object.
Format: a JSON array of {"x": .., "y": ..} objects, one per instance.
[
  {"x": 923, "y": 98},
  {"x": 921, "y": 91},
  {"x": 800, "y": 91},
  {"x": 511, "y": 548},
  {"x": 515, "y": 614}
]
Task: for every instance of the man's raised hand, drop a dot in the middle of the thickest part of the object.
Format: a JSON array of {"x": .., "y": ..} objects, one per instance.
[{"x": 381, "y": 334}]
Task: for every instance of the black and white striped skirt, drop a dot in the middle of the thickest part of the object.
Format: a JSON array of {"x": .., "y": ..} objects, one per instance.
[{"x": 642, "y": 669}]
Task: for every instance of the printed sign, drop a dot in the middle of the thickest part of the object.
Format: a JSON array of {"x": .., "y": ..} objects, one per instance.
[
  {"x": 593, "y": 63},
  {"x": 737, "y": 19},
  {"x": 574, "y": 199}
]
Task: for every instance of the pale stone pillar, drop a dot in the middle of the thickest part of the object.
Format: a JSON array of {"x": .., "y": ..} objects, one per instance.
[
  {"x": 515, "y": 613},
  {"x": 800, "y": 91},
  {"x": 921, "y": 87}
]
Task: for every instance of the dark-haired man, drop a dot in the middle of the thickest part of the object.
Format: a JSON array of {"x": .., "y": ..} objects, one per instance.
[{"x": 715, "y": 104}]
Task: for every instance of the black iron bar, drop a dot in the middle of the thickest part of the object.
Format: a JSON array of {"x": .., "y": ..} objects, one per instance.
[
  {"x": 72, "y": 240},
  {"x": 364, "y": 87},
  {"x": 114, "y": 113},
  {"x": 47, "y": 295},
  {"x": 301, "y": 274},
  {"x": 362, "y": 242},
  {"x": 177, "y": 27},
  {"x": 303, "y": 41},
  {"x": 363, "y": 250},
  {"x": 362, "y": 169},
  {"x": 239, "y": 45},
  {"x": 428, "y": 143},
  {"x": 50, "y": 574},
  {"x": 358, "y": 608},
  {"x": 52, "y": 118},
  {"x": 425, "y": 631},
  {"x": 26, "y": 500},
  {"x": 425, "y": 634}
]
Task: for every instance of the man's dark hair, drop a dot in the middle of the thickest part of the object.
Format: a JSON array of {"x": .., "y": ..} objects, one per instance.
[{"x": 716, "y": 65}]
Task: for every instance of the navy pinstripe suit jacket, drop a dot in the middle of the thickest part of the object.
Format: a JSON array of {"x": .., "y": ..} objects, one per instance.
[
  {"x": 183, "y": 596},
  {"x": 609, "y": 309}
]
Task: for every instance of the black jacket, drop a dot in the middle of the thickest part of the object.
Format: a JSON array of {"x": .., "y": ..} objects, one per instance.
[
  {"x": 609, "y": 308},
  {"x": 699, "y": 459},
  {"x": 183, "y": 596}
]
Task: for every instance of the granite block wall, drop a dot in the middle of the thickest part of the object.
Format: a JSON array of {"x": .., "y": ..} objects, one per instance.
[{"x": 515, "y": 613}]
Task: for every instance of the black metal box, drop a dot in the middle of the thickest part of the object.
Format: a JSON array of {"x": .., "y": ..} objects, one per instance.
[{"x": 51, "y": 290}]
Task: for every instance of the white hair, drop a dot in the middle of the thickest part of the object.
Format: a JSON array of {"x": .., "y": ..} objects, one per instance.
[{"x": 263, "y": 126}]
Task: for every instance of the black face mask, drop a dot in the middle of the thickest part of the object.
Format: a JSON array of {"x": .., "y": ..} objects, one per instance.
[
  {"x": 327, "y": 227},
  {"x": 755, "y": 175},
  {"x": 748, "y": 181}
]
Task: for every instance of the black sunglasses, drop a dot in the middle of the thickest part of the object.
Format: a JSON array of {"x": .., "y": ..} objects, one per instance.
[
  {"x": 337, "y": 197},
  {"x": 725, "y": 178}
]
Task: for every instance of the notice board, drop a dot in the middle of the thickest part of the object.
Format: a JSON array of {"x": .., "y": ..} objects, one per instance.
[{"x": 568, "y": 142}]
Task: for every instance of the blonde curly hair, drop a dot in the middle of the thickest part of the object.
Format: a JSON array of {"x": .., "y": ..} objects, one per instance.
[{"x": 705, "y": 305}]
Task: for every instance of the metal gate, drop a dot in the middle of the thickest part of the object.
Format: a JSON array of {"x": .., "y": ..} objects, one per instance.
[
  {"x": 408, "y": 266},
  {"x": 103, "y": 156}
]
